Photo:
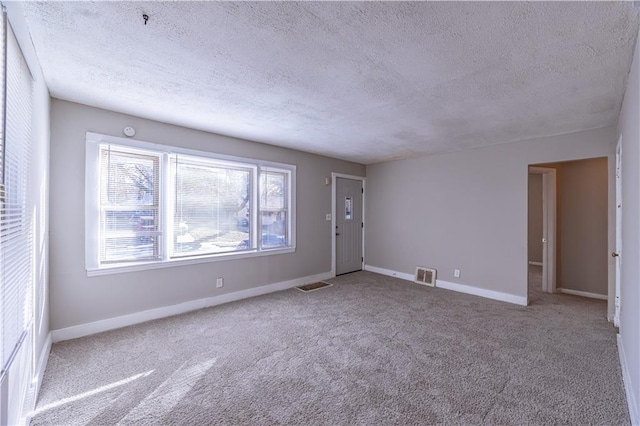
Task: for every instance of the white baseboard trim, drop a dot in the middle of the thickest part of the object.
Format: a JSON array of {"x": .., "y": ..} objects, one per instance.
[
  {"x": 476, "y": 291},
  {"x": 82, "y": 330},
  {"x": 634, "y": 411},
  {"x": 37, "y": 381},
  {"x": 43, "y": 359},
  {"x": 389, "y": 272},
  {"x": 582, "y": 293},
  {"x": 531, "y": 262},
  {"x": 462, "y": 288}
]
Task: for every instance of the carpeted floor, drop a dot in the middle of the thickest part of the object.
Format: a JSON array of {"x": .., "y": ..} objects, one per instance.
[{"x": 368, "y": 350}]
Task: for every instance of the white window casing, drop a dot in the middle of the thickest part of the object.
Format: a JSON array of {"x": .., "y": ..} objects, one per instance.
[
  {"x": 129, "y": 186},
  {"x": 204, "y": 207}
]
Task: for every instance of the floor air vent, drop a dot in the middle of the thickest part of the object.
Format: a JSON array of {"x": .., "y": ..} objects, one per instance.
[
  {"x": 425, "y": 276},
  {"x": 314, "y": 286}
]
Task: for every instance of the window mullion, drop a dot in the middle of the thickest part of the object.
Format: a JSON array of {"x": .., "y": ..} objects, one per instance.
[
  {"x": 167, "y": 204},
  {"x": 92, "y": 207},
  {"x": 255, "y": 211},
  {"x": 288, "y": 198}
]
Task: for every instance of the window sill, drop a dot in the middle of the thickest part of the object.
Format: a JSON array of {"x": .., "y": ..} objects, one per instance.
[{"x": 143, "y": 266}]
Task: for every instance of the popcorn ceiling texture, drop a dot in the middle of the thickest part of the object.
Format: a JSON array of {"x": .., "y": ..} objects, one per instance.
[{"x": 365, "y": 82}]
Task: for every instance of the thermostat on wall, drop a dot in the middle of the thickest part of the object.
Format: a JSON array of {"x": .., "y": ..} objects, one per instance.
[{"x": 129, "y": 131}]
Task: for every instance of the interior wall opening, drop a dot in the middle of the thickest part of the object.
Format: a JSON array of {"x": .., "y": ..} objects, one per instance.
[{"x": 579, "y": 242}]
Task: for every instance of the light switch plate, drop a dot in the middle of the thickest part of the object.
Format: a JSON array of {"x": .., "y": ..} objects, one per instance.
[{"x": 328, "y": 216}]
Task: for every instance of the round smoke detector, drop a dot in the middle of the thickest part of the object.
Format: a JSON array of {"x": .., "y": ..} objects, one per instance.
[{"x": 129, "y": 131}]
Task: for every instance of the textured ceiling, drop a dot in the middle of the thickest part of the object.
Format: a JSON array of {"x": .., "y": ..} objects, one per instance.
[{"x": 360, "y": 81}]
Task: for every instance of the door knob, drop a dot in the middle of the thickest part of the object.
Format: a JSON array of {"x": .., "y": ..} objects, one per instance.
[
  {"x": 337, "y": 233},
  {"x": 614, "y": 254}
]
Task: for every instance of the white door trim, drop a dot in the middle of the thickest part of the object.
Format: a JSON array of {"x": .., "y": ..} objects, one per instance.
[
  {"x": 335, "y": 175},
  {"x": 618, "y": 244},
  {"x": 548, "y": 226}
]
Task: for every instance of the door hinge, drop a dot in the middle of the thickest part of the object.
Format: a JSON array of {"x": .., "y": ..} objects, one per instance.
[
  {"x": 362, "y": 259},
  {"x": 362, "y": 190},
  {"x": 362, "y": 223}
]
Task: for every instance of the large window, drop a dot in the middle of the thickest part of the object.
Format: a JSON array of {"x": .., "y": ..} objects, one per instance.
[
  {"x": 17, "y": 207},
  {"x": 150, "y": 205}
]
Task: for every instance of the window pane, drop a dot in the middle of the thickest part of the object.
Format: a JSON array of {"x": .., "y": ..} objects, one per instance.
[
  {"x": 129, "y": 195},
  {"x": 272, "y": 191},
  {"x": 123, "y": 248},
  {"x": 129, "y": 179},
  {"x": 273, "y": 209},
  {"x": 348, "y": 208},
  {"x": 274, "y": 229},
  {"x": 212, "y": 209}
]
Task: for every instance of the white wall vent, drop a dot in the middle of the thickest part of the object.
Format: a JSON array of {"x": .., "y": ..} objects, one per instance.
[{"x": 425, "y": 276}]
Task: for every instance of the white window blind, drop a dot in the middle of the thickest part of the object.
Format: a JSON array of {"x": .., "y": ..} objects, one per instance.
[
  {"x": 274, "y": 207},
  {"x": 211, "y": 206},
  {"x": 164, "y": 205},
  {"x": 3, "y": 88},
  {"x": 129, "y": 205},
  {"x": 16, "y": 211}
]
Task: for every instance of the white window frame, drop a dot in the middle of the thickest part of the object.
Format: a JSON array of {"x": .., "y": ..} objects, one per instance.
[
  {"x": 92, "y": 205},
  {"x": 288, "y": 207},
  {"x": 161, "y": 198},
  {"x": 206, "y": 162}
]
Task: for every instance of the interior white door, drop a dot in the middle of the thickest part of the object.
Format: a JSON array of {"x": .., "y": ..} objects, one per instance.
[
  {"x": 618, "y": 253},
  {"x": 349, "y": 225}
]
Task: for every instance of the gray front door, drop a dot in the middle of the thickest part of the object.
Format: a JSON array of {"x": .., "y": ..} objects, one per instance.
[{"x": 348, "y": 225}]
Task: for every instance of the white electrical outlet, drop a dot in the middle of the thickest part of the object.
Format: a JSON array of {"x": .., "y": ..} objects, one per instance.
[
  {"x": 328, "y": 217},
  {"x": 219, "y": 282},
  {"x": 456, "y": 273}
]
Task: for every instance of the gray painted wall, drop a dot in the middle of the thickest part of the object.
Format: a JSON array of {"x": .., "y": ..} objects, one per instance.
[
  {"x": 77, "y": 299},
  {"x": 629, "y": 128},
  {"x": 466, "y": 210},
  {"x": 582, "y": 216},
  {"x": 535, "y": 217}
]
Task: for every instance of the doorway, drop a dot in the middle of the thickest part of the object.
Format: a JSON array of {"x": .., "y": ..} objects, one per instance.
[
  {"x": 546, "y": 244},
  {"x": 576, "y": 206},
  {"x": 348, "y": 223}
]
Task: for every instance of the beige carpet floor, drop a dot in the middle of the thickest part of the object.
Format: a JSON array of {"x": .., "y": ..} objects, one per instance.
[{"x": 368, "y": 350}]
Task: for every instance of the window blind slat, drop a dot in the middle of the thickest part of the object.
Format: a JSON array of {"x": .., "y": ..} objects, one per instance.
[
  {"x": 129, "y": 206},
  {"x": 211, "y": 207},
  {"x": 16, "y": 232}
]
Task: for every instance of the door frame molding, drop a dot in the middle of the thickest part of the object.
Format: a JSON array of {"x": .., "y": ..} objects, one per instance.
[
  {"x": 334, "y": 177},
  {"x": 549, "y": 202},
  {"x": 618, "y": 206}
]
